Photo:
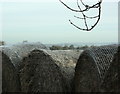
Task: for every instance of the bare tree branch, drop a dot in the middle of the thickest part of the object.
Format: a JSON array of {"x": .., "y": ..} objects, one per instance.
[{"x": 84, "y": 16}]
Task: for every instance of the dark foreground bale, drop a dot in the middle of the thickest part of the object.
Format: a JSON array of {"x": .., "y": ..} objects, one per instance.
[
  {"x": 91, "y": 68},
  {"x": 10, "y": 79},
  {"x": 0, "y": 72},
  {"x": 39, "y": 73},
  {"x": 111, "y": 82}
]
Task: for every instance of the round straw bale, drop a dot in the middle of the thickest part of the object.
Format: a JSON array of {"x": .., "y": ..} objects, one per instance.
[
  {"x": 91, "y": 68},
  {"x": 111, "y": 82},
  {"x": 39, "y": 73},
  {"x": 10, "y": 79}
]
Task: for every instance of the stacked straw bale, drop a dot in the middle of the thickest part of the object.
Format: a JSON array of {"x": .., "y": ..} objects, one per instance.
[
  {"x": 91, "y": 68},
  {"x": 10, "y": 78}
]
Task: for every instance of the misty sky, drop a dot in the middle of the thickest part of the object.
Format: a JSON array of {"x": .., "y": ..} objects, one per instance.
[{"x": 47, "y": 22}]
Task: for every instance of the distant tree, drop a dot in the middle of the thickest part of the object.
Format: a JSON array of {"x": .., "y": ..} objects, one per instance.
[
  {"x": 2, "y": 43},
  {"x": 92, "y": 46},
  {"x": 25, "y": 41},
  {"x": 71, "y": 47},
  {"x": 84, "y": 47},
  {"x": 56, "y": 47},
  {"x": 65, "y": 47},
  {"x": 78, "y": 48}
]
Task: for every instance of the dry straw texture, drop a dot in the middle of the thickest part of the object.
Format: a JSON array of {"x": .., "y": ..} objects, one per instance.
[
  {"x": 57, "y": 67},
  {"x": 10, "y": 79},
  {"x": 63, "y": 62},
  {"x": 39, "y": 73},
  {"x": 66, "y": 60}
]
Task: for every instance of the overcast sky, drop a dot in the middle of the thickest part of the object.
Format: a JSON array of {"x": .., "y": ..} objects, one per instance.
[
  {"x": 47, "y": 22},
  {"x": 53, "y": 0}
]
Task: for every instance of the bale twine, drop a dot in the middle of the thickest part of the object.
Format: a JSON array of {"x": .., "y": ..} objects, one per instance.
[
  {"x": 39, "y": 73},
  {"x": 10, "y": 79},
  {"x": 18, "y": 51},
  {"x": 111, "y": 82},
  {"x": 91, "y": 68}
]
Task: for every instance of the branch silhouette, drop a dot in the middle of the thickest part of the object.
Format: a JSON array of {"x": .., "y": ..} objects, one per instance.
[{"x": 84, "y": 16}]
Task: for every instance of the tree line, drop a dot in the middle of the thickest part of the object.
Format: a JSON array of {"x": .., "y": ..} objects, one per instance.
[{"x": 71, "y": 47}]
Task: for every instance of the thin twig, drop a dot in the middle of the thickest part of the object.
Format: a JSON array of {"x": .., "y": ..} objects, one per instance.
[{"x": 84, "y": 16}]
